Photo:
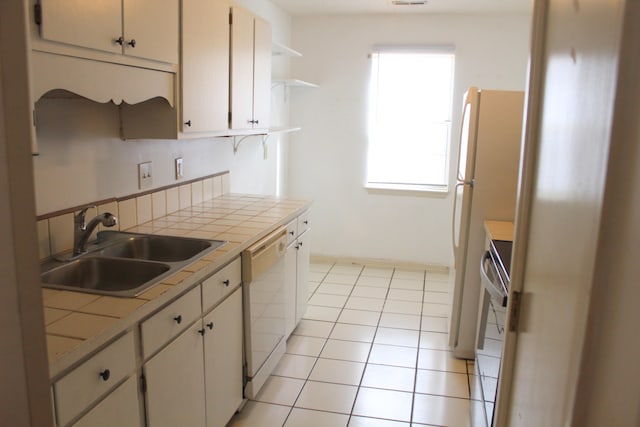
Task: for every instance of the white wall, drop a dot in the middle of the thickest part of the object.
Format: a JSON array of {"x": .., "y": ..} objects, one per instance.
[
  {"x": 82, "y": 158},
  {"x": 327, "y": 157}
]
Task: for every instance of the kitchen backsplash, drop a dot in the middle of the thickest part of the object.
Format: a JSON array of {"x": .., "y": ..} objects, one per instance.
[{"x": 55, "y": 230}]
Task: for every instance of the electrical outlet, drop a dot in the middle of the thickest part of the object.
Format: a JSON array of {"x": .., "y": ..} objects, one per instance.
[
  {"x": 145, "y": 179},
  {"x": 179, "y": 168}
]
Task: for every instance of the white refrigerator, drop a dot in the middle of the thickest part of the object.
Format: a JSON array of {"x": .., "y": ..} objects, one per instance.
[{"x": 487, "y": 177}]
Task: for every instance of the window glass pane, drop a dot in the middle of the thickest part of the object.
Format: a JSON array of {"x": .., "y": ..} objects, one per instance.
[{"x": 410, "y": 118}]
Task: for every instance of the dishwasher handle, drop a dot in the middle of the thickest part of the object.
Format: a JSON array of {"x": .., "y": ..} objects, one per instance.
[{"x": 260, "y": 257}]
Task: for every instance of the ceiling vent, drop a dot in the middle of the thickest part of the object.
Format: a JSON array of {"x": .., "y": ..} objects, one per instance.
[{"x": 409, "y": 2}]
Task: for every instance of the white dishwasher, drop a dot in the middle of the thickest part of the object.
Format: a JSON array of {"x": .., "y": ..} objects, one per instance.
[{"x": 263, "y": 276}]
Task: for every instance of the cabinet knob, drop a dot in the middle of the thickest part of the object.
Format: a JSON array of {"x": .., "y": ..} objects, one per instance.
[
  {"x": 210, "y": 325},
  {"x": 300, "y": 244},
  {"x": 178, "y": 319},
  {"x": 226, "y": 283},
  {"x": 297, "y": 247},
  {"x": 201, "y": 331},
  {"x": 305, "y": 222},
  {"x": 105, "y": 375},
  {"x": 291, "y": 232},
  {"x": 119, "y": 41},
  {"x": 188, "y": 123},
  {"x": 132, "y": 43}
]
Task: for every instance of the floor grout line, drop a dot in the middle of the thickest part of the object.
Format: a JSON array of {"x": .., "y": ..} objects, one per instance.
[{"x": 401, "y": 324}]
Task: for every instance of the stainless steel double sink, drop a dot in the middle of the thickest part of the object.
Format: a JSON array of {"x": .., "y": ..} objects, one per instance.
[{"x": 124, "y": 264}]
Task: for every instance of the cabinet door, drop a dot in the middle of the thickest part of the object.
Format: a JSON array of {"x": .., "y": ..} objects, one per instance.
[
  {"x": 175, "y": 386},
  {"x": 223, "y": 360},
  {"x": 290, "y": 288},
  {"x": 205, "y": 65},
  {"x": 121, "y": 408},
  {"x": 154, "y": 25},
  {"x": 241, "y": 69},
  {"x": 93, "y": 24},
  {"x": 302, "y": 273},
  {"x": 261, "y": 74}
]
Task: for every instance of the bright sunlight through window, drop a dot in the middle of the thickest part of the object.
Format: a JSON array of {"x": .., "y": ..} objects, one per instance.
[{"x": 410, "y": 118}]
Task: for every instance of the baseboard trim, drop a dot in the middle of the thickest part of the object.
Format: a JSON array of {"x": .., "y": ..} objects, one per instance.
[{"x": 380, "y": 263}]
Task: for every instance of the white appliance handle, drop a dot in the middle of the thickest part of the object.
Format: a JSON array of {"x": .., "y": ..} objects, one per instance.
[
  {"x": 453, "y": 218},
  {"x": 464, "y": 113}
]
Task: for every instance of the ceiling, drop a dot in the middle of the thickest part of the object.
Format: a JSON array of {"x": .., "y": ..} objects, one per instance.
[{"x": 329, "y": 7}]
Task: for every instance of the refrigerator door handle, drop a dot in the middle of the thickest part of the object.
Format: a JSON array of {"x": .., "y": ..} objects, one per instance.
[
  {"x": 464, "y": 113},
  {"x": 453, "y": 218}
]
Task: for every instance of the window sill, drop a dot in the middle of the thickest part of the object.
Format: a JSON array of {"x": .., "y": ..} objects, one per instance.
[{"x": 398, "y": 189}]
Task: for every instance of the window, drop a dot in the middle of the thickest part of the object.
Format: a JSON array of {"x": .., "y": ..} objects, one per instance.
[{"x": 410, "y": 102}]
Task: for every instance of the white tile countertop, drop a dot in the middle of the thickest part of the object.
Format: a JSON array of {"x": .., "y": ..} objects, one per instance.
[
  {"x": 77, "y": 323},
  {"x": 499, "y": 230}
]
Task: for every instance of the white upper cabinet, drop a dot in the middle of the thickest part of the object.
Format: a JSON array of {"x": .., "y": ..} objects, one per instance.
[
  {"x": 95, "y": 25},
  {"x": 151, "y": 29},
  {"x": 146, "y": 29},
  {"x": 250, "y": 71},
  {"x": 205, "y": 65},
  {"x": 262, "y": 73}
]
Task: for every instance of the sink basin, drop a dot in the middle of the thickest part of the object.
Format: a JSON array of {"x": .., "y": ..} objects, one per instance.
[
  {"x": 112, "y": 276},
  {"x": 124, "y": 264},
  {"x": 157, "y": 248}
]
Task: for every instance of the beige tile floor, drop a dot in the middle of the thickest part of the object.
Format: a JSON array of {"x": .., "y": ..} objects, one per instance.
[{"x": 371, "y": 351}]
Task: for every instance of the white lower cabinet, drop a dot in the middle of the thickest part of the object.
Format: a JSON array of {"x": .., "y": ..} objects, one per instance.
[
  {"x": 121, "y": 408},
  {"x": 175, "y": 388},
  {"x": 94, "y": 379},
  {"x": 297, "y": 260},
  {"x": 223, "y": 360},
  {"x": 302, "y": 273},
  {"x": 197, "y": 380}
]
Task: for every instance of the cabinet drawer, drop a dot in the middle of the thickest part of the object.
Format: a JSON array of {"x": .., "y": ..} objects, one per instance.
[
  {"x": 170, "y": 321},
  {"x": 216, "y": 287},
  {"x": 304, "y": 223},
  {"x": 292, "y": 231},
  {"x": 94, "y": 378}
]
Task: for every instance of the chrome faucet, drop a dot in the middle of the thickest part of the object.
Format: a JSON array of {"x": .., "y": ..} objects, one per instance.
[{"x": 82, "y": 230}]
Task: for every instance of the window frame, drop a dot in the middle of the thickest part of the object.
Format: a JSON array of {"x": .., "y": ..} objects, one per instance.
[{"x": 393, "y": 187}]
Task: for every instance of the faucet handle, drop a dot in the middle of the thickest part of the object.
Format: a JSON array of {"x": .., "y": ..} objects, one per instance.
[{"x": 79, "y": 218}]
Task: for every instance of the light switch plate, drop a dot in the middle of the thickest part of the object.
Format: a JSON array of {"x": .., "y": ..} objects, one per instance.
[
  {"x": 179, "y": 168},
  {"x": 145, "y": 179}
]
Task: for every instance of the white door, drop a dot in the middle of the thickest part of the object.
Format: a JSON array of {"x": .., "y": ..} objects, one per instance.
[
  {"x": 95, "y": 25},
  {"x": 261, "y": 74},
  {"x": 154, "y": 25},
  {"x": 302, "y": 274},
  {"x": 559, "y": 209},
  {"x": 175, "y": 382},
  {"x": 290, "y": 287},
  {"x": 223, "y": 360},
  {"x": 241, "y": 69},
  {"x": 120, "y": 408},
  {"x": 205, "y": 65}
]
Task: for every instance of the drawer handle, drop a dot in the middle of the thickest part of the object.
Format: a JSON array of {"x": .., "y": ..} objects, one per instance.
[
  {"x": 201, "y": 331},
  {"x": 226, "y": 283},
  {"x": 210, "y": 325},
  {"x": 105, "y": 375},
  {"x": 178, "y": 319}
]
